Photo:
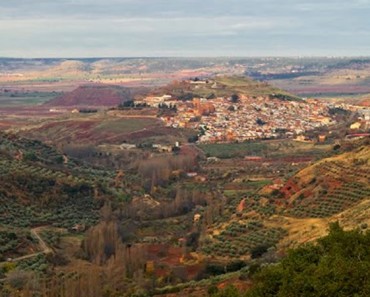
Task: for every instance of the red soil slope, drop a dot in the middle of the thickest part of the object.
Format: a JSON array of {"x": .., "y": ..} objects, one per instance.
[{"x": 93, "y": 95}]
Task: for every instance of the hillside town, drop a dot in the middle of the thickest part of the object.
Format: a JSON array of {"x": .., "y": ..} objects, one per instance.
[{"x": 240, "y": 118}]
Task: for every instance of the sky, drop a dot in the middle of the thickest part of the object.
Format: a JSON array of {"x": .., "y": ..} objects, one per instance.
[{"x": 184, "y": 28}]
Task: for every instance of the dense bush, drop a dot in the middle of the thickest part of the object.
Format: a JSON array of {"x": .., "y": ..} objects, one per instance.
[
  {"x": 338, "y": 265},
  {"x": 12, "y": 239}
]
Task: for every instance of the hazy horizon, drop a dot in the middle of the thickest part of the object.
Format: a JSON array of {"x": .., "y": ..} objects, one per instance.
[{"x": 183, "y": 57}]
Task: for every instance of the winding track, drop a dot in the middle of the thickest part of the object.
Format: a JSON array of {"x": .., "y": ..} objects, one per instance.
[{"x": 45, "y": 249}]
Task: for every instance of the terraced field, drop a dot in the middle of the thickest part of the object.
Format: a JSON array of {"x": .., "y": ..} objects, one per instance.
[
  {"x": 335, "y": 202},
  {"x": 239, "y": 239},
  {"x": 41, "y": 186},
  {"x": 336, "y": 185}
]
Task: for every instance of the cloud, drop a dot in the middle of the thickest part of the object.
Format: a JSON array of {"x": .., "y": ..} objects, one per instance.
[{"x": 160, "y": 27}]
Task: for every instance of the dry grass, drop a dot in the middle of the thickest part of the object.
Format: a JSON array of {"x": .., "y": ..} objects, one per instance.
[{"x": 310, "y": 229}]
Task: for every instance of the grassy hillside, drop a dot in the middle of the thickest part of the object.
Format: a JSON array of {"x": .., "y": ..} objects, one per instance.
[
  {"x": 244, "y": 231},
  {"x": 330, "y": 186},
  {"x": 40, "y": 186},
  {"x": 336, "y": 266},
  {"x": 107, "y": 128},
  {"x": 334, "y": 188},
  {"x": 223, "y": 86},
  {"x": 43, "y": 187}
]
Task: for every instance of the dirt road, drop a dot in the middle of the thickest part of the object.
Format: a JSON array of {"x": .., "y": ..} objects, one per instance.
[{"x": 45, "y": 249}]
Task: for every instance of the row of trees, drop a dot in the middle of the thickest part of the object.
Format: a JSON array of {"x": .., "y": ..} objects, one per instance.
[{"x": 158, "y": 171}]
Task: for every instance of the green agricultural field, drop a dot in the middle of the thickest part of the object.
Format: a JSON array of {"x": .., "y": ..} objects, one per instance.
[
  {"x": 266, "y": 149},
  {"x": 232, "y": 193},
  {"x": 245, "y": 187},
  {"x": 232, "y": 150},
  {"x": 126, "y": 125},
  {"x": 20, "y": 99}
]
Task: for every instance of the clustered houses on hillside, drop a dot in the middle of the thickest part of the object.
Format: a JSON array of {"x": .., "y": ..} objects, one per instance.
[
  {"x": 363, "y": 120},
  {"x": 155, "y": 101},
  {"x": 222, "y": 120}
]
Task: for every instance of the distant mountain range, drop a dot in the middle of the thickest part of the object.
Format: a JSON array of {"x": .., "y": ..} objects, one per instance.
[{"x": 301, "y": 76}]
